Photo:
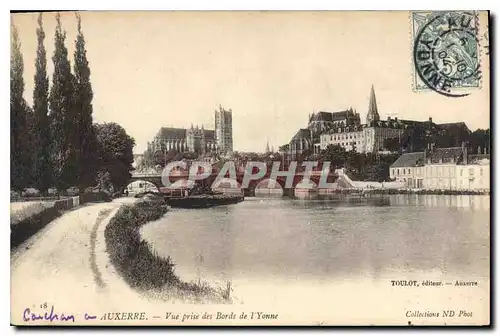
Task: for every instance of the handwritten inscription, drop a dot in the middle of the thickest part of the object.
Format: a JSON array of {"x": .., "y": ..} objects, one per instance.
[
  {"x": 44, "y": 314},
  {"x": 29, "y": 315}
]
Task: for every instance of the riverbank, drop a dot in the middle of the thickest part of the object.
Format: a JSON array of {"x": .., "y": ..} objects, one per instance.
[
  {"x": 27, "y": 218},
  {"x": 385, "y": 191},
  {"x": 426, "y": 192},
  {"x": 139, "y": 264}
]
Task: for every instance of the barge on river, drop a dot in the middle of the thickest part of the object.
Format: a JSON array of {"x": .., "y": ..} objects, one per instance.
[{"x": 202, "y": 201}]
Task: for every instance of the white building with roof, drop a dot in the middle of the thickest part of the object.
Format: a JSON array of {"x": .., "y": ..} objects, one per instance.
[{"x": 443, "y": 169}]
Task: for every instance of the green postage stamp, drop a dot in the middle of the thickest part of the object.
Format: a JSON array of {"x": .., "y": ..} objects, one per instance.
[{"x": 445, "y": 52}]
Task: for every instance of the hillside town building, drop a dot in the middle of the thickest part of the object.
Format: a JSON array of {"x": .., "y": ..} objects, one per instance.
[{"x": 345, "y": 129}]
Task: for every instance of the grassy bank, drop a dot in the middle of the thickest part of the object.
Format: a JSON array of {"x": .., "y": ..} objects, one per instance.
[
  {"x": 28, "y": 221},
  {"x": 138, "y": 263},
  {"x": 27, "y": 218}
]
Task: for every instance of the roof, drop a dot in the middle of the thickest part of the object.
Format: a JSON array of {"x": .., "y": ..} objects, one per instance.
[
  {"x": 209, "y": 133},
  {"x": 477, "y": 158},
  {"x": 322, "y": 116},
  {"x": 409, "y": 160},
  {"x": 283, "y": 148},
  {"x": 172, "y": 133},
  {"x": 303, "y": 133},
  {"x": 441, "y": 155},
  {"x": 460, "y": 124},
  {"x": 331, "y": 116}
]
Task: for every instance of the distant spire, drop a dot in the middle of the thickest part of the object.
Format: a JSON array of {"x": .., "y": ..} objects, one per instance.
[
  {"x": 267, "y": 147},
  {"x": 372, "y": 108}
]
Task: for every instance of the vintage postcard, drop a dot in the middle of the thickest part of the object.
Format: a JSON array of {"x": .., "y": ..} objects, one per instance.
[{"x": 250, "y": 168}]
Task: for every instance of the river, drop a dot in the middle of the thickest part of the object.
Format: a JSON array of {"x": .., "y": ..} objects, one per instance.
[{"x": 273, "y": 241}]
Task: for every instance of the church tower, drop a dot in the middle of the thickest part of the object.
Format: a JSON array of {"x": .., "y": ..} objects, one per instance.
[
  {"x": 224, "y": 130},
  {"x": 372, "y": 115}
]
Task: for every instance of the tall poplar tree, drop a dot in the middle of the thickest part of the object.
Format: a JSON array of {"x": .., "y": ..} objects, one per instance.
[
  {"x": 62, "y": 115},
  {"x": 41, "y": 132},
  {"x": 19, "y": 132},
  {"x": 86, "y": 140}
]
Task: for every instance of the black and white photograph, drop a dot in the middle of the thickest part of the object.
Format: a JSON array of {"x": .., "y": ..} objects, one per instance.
[{"x": 250, "y": 168}]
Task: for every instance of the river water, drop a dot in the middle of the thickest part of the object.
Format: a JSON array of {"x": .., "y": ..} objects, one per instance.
[{"x": 278, "y": 240}]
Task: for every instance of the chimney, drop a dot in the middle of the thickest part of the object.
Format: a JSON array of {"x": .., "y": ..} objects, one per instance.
[
  {"x": 430, "y": 119},
  {"x": 396, "y": 118},
  {"x": 464, "y": 152}
]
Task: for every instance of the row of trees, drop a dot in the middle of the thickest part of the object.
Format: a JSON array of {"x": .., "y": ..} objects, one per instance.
[
  {"x": 55, "y": 143},
  {"x": 163, "y": 157},
  {"x": 359, "y": 166},
  {"x": 417, "y": 138}
]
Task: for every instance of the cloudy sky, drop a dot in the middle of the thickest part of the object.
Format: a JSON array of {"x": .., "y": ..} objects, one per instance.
[{"x": 153, "y": 69}]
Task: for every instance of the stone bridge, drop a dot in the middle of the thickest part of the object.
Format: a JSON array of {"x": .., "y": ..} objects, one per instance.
[{"x": 155, "y": 178}]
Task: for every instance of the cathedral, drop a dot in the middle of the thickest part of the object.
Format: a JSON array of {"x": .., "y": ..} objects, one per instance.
[{"x": 197, "y": 139}]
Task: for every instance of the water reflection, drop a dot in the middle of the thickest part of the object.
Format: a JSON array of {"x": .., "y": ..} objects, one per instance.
[
  {"x": 326, "y": 238},
  {"x": 465, "y": 202}
]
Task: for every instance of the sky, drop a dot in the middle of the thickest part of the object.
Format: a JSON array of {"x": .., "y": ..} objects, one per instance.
[{"x": 154, "y": 69}]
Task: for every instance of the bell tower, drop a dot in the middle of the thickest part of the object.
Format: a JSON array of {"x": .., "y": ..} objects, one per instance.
[
  {"x": 372, "y": 115},
  {"x": 224, "y": 130}
]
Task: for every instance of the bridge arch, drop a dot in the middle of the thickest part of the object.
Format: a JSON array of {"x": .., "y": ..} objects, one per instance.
[
  {"x": 268, "y": 187},
  {"x": 227, "y": 186},
  {"x": 138, "y": 185},
  {"x": 306, "y": 184}
]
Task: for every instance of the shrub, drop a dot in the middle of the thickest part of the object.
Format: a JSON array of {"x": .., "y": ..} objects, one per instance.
[{"x": 134, "y": 258}]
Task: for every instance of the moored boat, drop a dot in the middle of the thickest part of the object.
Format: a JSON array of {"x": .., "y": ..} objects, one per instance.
[{"x": 202, "y": 201}]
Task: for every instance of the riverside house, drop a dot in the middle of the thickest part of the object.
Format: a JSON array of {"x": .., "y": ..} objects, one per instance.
[{"x": 443, "y": 169}]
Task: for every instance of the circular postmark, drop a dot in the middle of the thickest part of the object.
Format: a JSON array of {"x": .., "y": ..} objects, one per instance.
[{"x": 446, "y": 53}]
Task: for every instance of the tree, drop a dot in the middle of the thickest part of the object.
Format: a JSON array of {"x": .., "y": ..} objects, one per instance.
[
  {"x": 480, "y": 139},
  {"x": 62, "y": 115},
  {"x": 392, "y": 144},
  {"x": 114, "y": 153},
  {"x": 41, "y": 131},
  {"x": 86, "y": 147},
  {"x": 415, "y": 139},
  {"x": 335, "y": 154},
  {"x": 20, "y": 165}
]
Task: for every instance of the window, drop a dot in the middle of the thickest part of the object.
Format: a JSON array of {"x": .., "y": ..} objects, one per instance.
[
  {"x": 461, "y": 172},
  {"x": 398, "y": 171},
  {"x": 471, "y": 171},
  {"x": 481, "y": 171}
]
